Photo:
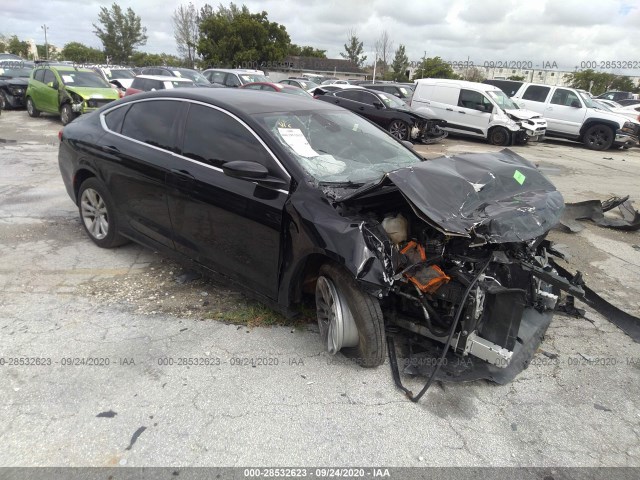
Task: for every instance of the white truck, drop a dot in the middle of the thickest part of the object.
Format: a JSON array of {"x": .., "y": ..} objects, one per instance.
[{"x": 571, "y": 114}]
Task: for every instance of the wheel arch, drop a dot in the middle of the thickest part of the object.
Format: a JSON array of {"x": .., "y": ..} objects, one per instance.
[
  {"x": 304, "y": 276},
  {"x": 80, "y": 176},
  {"x": 596, "y": 121}
]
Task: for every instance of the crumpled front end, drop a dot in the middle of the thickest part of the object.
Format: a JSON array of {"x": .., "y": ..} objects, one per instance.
[
  {"x": 470, "y": 266},
  {"x": 428, "y": 131}
]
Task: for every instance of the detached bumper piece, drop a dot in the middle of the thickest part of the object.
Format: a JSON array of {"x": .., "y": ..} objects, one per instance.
[{"x": 594, "y": 210}]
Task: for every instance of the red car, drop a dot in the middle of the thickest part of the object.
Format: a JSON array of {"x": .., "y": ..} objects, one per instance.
[{"x": 276, "y": 87}]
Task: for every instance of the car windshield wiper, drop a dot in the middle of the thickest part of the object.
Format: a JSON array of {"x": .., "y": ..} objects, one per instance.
[{"x": 344, "y": 184}]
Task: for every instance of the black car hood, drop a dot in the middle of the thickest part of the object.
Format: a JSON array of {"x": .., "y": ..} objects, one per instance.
[
  {"x": 16, "y": 81},
  {"x": 492, "y": 197}
]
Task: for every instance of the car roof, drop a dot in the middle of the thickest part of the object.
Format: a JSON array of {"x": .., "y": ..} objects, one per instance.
[
  {"x": 65, "y": 68},
  {"x": 460, "y": 83},
  {"x": 241, "y": 101},
  {"x": 164, "y": 78}
]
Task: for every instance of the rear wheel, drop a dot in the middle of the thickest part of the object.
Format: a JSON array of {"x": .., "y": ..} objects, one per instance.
[
  {"x": 98, "y": 214},
  {"x": 349, "y": 319},
  {"x": 499, "y": 136},
  {"x": 67, "y": 114},
  {"x": 598, "y": 137},
  {"x": 31, "y": 108},
  {"x": 399, "y": 129}
]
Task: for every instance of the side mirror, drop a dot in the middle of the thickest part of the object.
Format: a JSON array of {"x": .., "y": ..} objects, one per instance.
[
  {"x": 378, "y": 105},
  {"x": 576, "y": 104},
  {"x": 407, "y": 144},
  {"x": 53, "y": 85},
  {"x": 245, "y": 170}
]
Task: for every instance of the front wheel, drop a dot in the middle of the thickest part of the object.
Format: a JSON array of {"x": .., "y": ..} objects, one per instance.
[
  {"x": 399, "y": 129},
  {"x": 598, "y": 137},
  {"x": 499, "y": 136},
  {"x": 98, "y": 214},
  {"x": 31, "y": 108},
  {"x": 349, "y": 319},
  {"x": 67, "y": 114}
]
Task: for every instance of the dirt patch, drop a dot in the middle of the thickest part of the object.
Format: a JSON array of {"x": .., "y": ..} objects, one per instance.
[{"x": 156, "y": 290}]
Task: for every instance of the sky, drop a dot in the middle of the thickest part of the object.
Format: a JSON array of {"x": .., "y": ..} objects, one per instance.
[{"x": 566, "y": 33}]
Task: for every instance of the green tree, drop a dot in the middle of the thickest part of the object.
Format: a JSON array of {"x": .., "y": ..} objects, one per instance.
[
  {"x": 143, "y": 59},
  {"x": 80, "y": 53},
  {"x": 120, "y": 33},
  {"x": 517, "y": 78},
  {"x": 353, "y": 49},
  {"x": 233, "y": 36},
  {"x": 400, "y": 64},
  {"x": 17, "y": 47},
  {"x": 185, "y": 31},
  {"x": 306, "y": 51},
  {"x": 600, "y": 82},
  {"x": 434, "y": 67}
]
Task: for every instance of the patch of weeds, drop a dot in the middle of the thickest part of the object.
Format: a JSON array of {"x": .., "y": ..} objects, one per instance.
[{"x": 254, "y": 314}]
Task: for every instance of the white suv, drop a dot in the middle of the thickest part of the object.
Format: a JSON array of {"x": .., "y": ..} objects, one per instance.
[{"x": 571, "y": 114}]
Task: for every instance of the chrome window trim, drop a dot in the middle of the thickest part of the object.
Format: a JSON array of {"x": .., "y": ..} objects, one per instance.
[{"x": 103, "y": 123}]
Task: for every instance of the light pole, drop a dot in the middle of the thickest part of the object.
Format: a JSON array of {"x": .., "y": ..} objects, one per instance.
[{"x": 46, "y": 45}]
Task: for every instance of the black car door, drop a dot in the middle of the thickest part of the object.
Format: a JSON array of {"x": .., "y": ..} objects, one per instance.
[
  {"x": 362, "y": 103},
  {"x": 230, "y": 225},
  {"x": 141, "y": 152}
]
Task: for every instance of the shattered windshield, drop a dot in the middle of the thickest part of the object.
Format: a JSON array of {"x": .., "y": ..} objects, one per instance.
[
  {"x": 337, "y": 147},
  {"x": 502, "y": 100}
]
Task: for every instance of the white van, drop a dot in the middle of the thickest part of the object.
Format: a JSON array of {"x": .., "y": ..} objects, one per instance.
[{"x": 478, "y": 110}]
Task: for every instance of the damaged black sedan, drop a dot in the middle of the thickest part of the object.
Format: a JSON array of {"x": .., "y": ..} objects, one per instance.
[
  {"x": 290, "y": 197},
  {"x": 387, "y": 111}
]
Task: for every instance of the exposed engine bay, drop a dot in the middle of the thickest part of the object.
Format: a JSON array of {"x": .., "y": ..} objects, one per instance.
[
  {"x": 434, "y": 293},
  {"x": 465, "y": 262}
]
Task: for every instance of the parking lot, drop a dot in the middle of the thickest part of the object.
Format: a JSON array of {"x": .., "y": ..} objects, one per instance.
[{"x": 114, "y": 362}]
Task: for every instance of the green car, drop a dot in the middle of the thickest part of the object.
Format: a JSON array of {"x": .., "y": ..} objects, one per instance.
[{"x": 67, "y": 91}]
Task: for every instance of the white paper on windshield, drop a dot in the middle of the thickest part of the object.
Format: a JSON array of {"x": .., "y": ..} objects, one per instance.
[
  {"x": 177, "y": 73},
  {"x": 297, "y": 141},
  {"x": 107, "y": 72},
  {"x": 67, "y": 78},
  {"x": 1, "y": 71}
]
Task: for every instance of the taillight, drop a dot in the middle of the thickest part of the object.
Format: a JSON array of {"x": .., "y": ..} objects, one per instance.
[{"x": 60, "y": 135}]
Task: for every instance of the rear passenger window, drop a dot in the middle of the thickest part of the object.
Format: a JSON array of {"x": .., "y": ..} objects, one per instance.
[
  {"x": 565, "y": 97},
  {"x": 153, "y": 123},
  {"x": 214, "y": 138},
  {"x": 536, "y": 93},
  {"x": 114, "y": 118}
]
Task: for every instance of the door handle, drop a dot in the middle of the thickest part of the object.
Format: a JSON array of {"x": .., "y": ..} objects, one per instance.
[
  {"x": 361, "y": 108},
  {"x": 111, "y": 149},
  {"x": 449, "y": 109},
  {"x": 460, "y": 111}
]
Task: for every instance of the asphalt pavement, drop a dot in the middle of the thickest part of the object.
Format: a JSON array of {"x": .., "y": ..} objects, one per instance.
[{"x": 106, "y": 361}]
